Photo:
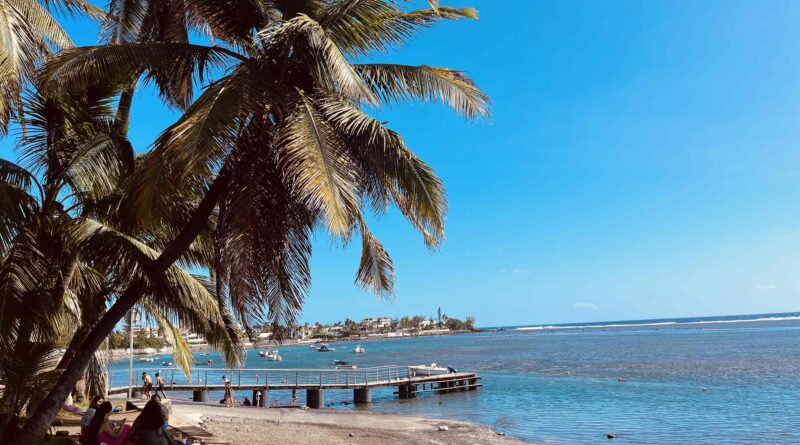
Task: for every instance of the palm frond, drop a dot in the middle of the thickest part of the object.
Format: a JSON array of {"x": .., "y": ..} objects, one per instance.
[
  {"x": 364, "y": 26},
  {"x": 406, "y": 83},
  {"x": 376, "y": 270},
  {"x": 315, "y": 161},
  {"x": 396, "y": 173},
  {"x": 308, "y": 40},
  {"x": 173, "y": 65}
]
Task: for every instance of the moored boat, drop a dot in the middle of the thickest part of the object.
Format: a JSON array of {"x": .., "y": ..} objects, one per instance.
[
  {"x": 425, "y": 370},
  {"x": 358, "y": 349},
  {"x": 147, "y": 360},
  {"x": 166, "y": 364},
  {"x": 325, "y": 348},
  {"x": 341, "y": 364}
]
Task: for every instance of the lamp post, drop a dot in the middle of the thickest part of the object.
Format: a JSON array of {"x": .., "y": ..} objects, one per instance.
[{"x": 133, "y": 317}]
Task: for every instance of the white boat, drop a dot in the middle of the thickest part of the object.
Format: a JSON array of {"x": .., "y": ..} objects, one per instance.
[
  {"x": 271, "y": 355},
  {"x": 325, "y": 348},
  {"x": 358, "y": 349},
  {"x": 166, "y": 364},
  {"x": 147, "y": 360},
  {"x": 425, "y": 370}
]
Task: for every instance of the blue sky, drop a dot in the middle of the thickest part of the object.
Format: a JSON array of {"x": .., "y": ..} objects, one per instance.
[{"x": 641, "y": 162}]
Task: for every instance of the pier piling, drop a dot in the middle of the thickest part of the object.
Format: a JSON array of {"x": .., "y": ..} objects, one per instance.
[
  {"x": 362, "y": 395},
  {"x": 315, "y": 398},
  {"x": 200, "y": 395}
]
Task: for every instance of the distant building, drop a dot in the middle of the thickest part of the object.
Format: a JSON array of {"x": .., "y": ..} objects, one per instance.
[{"x": 377, "y": 322}]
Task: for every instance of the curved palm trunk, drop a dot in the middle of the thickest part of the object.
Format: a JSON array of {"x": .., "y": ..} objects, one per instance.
[{"x": 38, "y": 423}]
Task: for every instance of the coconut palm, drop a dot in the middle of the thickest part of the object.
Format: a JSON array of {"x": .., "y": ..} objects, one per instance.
[
  {"x": 280, "y": 144},
  {"x": 28, "y": 34},
  {"x": 60, "y": 268}
]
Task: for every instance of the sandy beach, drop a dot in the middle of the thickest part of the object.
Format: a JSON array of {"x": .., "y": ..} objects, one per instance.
[{"x": 288, "y": 426}]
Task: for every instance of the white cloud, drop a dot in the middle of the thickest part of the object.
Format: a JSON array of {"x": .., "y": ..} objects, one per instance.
[
  {"x": 519, "y": 271},
  {"x": 583, "y": 306},
  {"x": 766, "y": 287}
]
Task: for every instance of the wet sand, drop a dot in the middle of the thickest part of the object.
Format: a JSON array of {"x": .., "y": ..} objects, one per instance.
[{"x": 289, "y": 426}]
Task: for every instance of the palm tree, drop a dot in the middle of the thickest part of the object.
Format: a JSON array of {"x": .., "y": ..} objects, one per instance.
[
  {"x": 280, "y": 144},
  {"x": 60, "y": 268},
  {"x": 29, "y": 34}
]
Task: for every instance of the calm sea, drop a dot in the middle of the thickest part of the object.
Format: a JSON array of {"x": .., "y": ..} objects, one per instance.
[{"x": 703, "y": 380}]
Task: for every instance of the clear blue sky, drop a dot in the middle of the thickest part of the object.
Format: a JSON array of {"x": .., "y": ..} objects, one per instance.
[{"x": 641, "y": 162}]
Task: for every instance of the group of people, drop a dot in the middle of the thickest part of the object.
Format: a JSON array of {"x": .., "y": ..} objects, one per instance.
[
  {"x": 150, "y": 428},
  {"x": 147, "y": 385}
]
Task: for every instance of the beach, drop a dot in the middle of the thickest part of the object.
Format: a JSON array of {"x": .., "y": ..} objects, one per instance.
[{"x": 289, "y": 426}]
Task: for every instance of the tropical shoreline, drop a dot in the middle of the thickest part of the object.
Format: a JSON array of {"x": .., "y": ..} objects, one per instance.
[
  {"x": 121, "y": 353},
  {"x": 289, "y": 426}
]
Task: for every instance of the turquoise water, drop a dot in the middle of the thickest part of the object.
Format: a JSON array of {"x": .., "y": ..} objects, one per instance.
[{"x": 560, "y": 384}]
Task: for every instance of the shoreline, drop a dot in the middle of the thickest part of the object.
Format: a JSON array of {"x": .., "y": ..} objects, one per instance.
[
  {"x": 121, "y": 353},
  {"x": 295, "y": 426}
]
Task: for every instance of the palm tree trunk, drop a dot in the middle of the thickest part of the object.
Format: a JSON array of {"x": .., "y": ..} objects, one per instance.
[{"x": 38, "y": 423}]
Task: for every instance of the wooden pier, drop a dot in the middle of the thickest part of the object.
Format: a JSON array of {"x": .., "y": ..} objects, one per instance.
[{"x": 313, "y": 381}]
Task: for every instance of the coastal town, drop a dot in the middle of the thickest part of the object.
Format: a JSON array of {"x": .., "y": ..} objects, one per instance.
[{"x": 150, "y": 337}]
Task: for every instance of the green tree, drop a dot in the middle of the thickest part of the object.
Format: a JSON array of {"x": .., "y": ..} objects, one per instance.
[
  {"x": 61, "y": 264},
  {"x": 278, "y": 146}
]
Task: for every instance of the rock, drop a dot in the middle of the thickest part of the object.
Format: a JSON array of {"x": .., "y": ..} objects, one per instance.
[
  {"x": 443, "y": 427},
  {"x": 610, "y": 436},
  {"x": 352, "y": 435}
]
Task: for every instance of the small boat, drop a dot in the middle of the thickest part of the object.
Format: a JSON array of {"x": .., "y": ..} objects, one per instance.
[
  {"x": 341, "y": 364},
  {"x": 166, "y": 364},
  {"x": 425, "y": 370},
  {"x": 147, "y": 360},
  {"x": 358, "y": 349},
  {"x": 325, "y": 348}
]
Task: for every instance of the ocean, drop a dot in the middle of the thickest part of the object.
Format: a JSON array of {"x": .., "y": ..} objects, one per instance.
[{"x": 712, "y": 380}]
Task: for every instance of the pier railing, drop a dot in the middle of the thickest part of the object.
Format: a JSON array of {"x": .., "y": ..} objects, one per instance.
[{"x": 205, "y": 377}]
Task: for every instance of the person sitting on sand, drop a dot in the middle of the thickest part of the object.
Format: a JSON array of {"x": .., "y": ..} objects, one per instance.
[
  {"x": 148, "y": 428},
  {"x": 246, "y": 402},
  {"x": 86, "y": 419},
  {"x": 101, "y": 430}
]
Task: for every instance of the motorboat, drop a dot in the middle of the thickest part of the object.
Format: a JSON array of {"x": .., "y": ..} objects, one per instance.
[
  {"x": 166, "y": 364},
  {"x": 425, "y": 370},
  {"x": 325, "y": 348},
  {"x": 341, "y": 364},
  {"x": 358, "y": 349},
  {"x": 147, "y": 360},
  {"x": 271, "y": 355}
]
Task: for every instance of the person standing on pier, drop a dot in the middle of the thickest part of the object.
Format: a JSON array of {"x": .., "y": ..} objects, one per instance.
[
  {"x": 160, "y": 385},
  {"x": 228, "y": 393},
  {"x": 147, "y": 384}
]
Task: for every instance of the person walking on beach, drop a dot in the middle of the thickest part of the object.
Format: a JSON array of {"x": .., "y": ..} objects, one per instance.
[
  {"x": 160, "y": 385},
  {"x": 294, "y": 397},
  {"x": 228, "y": 393},
  {"x": 147, "y": 385}
]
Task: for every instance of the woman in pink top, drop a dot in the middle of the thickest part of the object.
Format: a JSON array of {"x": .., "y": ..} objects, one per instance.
[{"x": 101, "y": 430}]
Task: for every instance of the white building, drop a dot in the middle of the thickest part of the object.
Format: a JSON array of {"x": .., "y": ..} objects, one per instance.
[{"x": 377, "y": 322}]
